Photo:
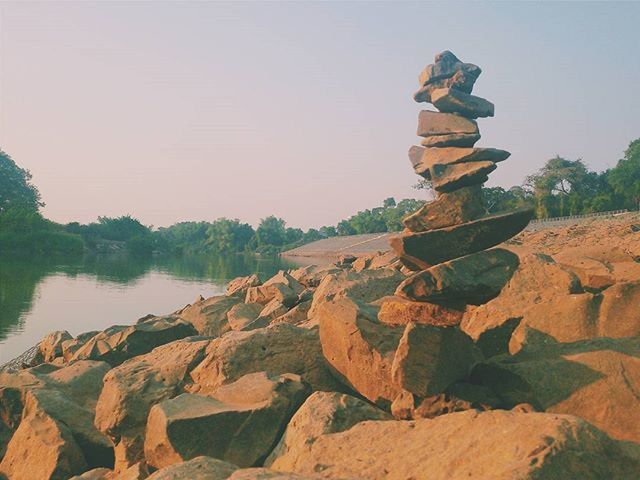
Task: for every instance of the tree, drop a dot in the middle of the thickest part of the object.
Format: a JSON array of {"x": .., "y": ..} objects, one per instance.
[
  {"x": 225, "y": 236},
  {"x": 389, "y": 202},
  {"x": 16, "y": 189},
  {"x": 624, "y": 178},
  {"x": 270, "y": 233},
  {"x": 561, "y": 187}
]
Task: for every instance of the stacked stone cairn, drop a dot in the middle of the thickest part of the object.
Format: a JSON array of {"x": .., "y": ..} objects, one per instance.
[{"x": 455, "y": 228}]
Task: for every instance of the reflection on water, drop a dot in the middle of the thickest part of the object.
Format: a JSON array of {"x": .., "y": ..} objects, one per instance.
[{"x": 40, "y": 295}]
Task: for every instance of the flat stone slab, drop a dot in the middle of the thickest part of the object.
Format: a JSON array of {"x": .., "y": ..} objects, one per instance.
[
  {"x": 452, "y": 140},
  {"x": 461, "y": 206},
  {"x": 447, "y": 178},
  {"x": 437, "y": 123},
  {"x": 420, "y": 251},
  {"x": 424, "y": 158},
  {"x": 450, "y": 100},
  {"x": 474, "y": 279}
]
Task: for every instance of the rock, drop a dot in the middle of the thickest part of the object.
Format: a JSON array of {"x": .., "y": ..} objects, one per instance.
[
  {"x": 420, "y": 251},
  {"x": 81, "y": 381},
  {"x": 139, "y": 471},
  {"x": 451, "y": 100},
  {"x": 312, "y": 275},
  {"x": 71, "y": 346},
  {"x": 597, "y": 380},
  {"x": 266, "y": 474},
  {"x": 239, "y": 286},
  {"x": 50, "y": 347},
  {"x": 119, "y": 343},
  {"x": 365, "y": 287},
  {"x": 296, "y": 315},
  {"x": 322, "y": 413},
  {"x": 424, "y": 159},
  {"x": 428, "y": 359},
  {"x": 396, "y": 310},
  {"x": 474, "y": 279},
  {"x": 594, "y": 275},
  {"x": 243, "y": 314},
  {"x": 539, "y": 294},
  {"x": 451, "y": 140},
  {"x": 447, "y": 71},
  {"x": 460, "y": 206},
  {"x": 359, "y": 348},
  {"x": 239, "y": 423},
  {"x": 42, "y": 448},
  {"x": 271, "y": 311},
  {"x": 273, "y": 291},
  {"x": 284, "y": 278},
  {"x": 432, "y": 124},
  {"x": 95, "y": 447},
  {"x": 198, "y": 468},
  {"x": 492, "y": 445},
  {"x": 619, "y": 312},
  {"x": 131, "y": 389},
  {"x": 277, "y": 349},
  {"x": 209, "y": 317},
  {"x": 447, "y": 178}
]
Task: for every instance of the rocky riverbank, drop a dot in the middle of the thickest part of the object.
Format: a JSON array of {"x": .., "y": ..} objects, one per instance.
[
  {"x": 444, "y": 359},
  {"x": 325, "y": 372}
]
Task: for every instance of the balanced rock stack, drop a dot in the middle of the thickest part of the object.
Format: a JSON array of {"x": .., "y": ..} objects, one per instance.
[{"x": 455, "y": 224}]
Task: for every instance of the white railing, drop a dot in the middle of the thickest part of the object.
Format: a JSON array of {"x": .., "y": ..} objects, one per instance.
[{"x": 574, "y": 217}]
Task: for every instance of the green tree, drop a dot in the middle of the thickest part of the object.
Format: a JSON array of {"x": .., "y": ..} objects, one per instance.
[
  {"x": 16, "y": 189},
  {"x": 225, "y": 236},
  {"x": 624, "y": 178},
  {"x": 270, "y": 234}
]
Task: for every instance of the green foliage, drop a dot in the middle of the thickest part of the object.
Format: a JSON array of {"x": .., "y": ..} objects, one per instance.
[
  {"x": 624, "y": 178},
  {"x": 387, "y": 218},
  {"x": 26, "y": 232},
  {"x": 16, "y": 190},
  {"x": 497, "y": 199}
]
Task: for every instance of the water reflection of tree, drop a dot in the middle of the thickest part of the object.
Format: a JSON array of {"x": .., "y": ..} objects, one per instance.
[
  {"x": 19, "y": 277},
  {"x": 18, "y": 281},
  {"x": 221, "y": 267}
]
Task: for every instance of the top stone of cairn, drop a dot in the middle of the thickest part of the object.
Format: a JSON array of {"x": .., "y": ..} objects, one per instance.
[{"x": 447, "y": 72}]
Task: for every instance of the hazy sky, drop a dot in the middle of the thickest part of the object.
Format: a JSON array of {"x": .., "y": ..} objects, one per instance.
[{"x": 193, "y": 111}]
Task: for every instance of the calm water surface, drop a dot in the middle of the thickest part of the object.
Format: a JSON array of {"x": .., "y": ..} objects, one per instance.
[{"x": 38, "y": 296}]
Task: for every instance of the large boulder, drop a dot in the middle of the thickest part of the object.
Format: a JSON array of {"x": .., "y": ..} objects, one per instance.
[
  {"x": 395, "y": 310},
  {"x": 80, "y": 381},
  {"x": 597, "y": 380},
  {"x": 209, "y": 316},
  {"x": 42, "y": 448},
  {"x": 366, "y": 286},
  {"x": 241, "y": 315},
  {"x": 277, "y": 349},
  {"x": 420, "y": 251},
  {"x": 488, "y": 445},
  {"x": 119, "y": 343},
  {"x": 131, "y": 389},
  {"x": 239, "y": 423},
  {"x": 321, "y": 413},
  {"x": 447, "y": 71},
  {"x": 285, "y": 278},
  {"x": 311, "y": 276},
  {"x": 428, "y": 359},
  {"x": 359, "y": 348},
  {"x": 50, "y": 347},
  {"x": 265, "y": 293},
  {"x": 461, "y": 206},
  {"x": 451, "y": 100},
  {"x": 239, "y": 286},
  {"x": 473, "y": 279},
  {"x": 198, "y": 468},
  {"x": 544, "y": 301},
  {"x": 96, "y": 447}
]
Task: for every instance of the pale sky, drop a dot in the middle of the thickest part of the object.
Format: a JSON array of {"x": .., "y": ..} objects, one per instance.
[{"x": 192, "y": 111}]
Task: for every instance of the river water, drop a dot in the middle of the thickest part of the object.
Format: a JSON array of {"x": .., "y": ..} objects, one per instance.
[{"x": 40, "y": 295}]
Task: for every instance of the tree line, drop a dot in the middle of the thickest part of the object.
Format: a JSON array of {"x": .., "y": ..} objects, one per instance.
[{"x": 561, "y": 187}]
